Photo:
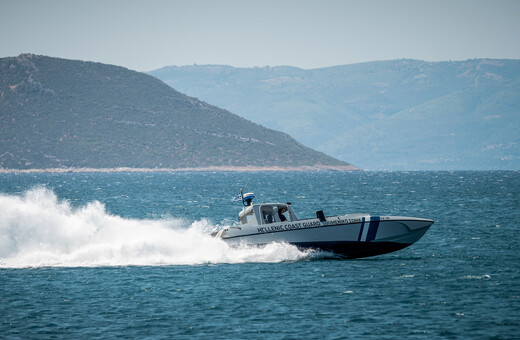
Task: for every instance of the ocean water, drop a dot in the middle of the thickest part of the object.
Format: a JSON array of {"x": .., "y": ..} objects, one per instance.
[{"x": 127, "y": 255}]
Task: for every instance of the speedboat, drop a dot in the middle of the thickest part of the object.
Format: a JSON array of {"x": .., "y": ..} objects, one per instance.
[{"x": 349, "y": 236}]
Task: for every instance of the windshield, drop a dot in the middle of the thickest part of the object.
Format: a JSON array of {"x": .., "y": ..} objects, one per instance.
[
  {"x": 248, "y": 217},
  {"x": 274, "y": 213}
]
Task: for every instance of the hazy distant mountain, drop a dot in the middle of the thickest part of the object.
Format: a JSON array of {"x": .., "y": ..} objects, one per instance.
[
  {"x": 402, "y": 114},
  {"x": 63, "y": 113}
]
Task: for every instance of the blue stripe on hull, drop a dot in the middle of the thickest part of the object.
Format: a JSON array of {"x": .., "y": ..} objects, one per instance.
[{"x": 372, "y": 228}]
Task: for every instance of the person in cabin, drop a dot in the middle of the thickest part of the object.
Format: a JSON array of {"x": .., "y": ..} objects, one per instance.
[{"x": 282, "y": 216}]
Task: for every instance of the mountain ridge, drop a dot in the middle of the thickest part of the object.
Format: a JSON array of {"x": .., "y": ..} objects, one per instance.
[
  {"x": 60, "y": 113},
  {"x": 331, "y": 109}
]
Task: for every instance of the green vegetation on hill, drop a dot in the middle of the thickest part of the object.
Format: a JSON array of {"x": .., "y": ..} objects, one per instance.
[
  {"x": 400, "y": 114},
  {"x": 57, "y": 113}
]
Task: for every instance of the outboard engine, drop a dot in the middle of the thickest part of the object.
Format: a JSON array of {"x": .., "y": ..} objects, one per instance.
[{"x": 247, "y": 199}]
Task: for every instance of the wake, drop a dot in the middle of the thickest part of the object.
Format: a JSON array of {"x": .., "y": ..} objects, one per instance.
[{"x": 38, "y": 230}]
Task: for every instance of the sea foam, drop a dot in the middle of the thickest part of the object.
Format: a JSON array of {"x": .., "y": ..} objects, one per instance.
[{"x": 37, "y": 229}]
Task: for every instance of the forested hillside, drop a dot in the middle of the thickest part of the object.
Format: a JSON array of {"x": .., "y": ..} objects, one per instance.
[
  {"x": 400, "y": 114},
  {"x": 58, "y": 113}
]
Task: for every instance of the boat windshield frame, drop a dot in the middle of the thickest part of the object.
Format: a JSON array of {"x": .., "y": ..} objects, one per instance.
[{"x": 267, "y": 213}]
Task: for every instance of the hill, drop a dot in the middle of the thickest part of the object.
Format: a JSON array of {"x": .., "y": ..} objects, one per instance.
[
  {"x": 395, "y": 115},
  {"x": 58, "y": 113}
]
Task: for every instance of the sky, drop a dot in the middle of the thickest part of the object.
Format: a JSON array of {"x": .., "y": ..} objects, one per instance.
[{"x": 146, "y": 35}]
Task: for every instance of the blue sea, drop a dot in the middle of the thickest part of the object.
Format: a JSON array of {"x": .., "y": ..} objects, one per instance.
[{"x": 127, "y": 255}]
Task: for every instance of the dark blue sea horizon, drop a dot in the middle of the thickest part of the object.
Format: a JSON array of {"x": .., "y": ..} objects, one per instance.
[{"x": 127, "y": 255}]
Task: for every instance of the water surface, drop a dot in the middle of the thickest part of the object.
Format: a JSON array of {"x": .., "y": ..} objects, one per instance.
[{"x": 115, "y": 255}]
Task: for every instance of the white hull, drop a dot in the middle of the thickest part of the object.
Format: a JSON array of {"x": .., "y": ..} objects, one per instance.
[{"x": 353, "y": 236}]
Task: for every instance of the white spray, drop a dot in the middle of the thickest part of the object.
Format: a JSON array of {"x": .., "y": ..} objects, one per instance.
[{"x": 37, "y": 229}]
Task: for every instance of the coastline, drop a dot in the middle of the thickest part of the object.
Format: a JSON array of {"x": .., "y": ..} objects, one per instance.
[{"x": 318, "y": 167}]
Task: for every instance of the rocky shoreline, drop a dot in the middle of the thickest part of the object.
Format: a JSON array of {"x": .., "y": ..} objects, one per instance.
[{"x": 201, "y": 169}]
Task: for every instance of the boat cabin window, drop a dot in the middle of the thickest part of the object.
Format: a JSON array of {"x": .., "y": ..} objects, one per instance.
[
  {"x": 248, "y": 218},
  {"x": 273, "y": 214},
  {"x": 267, "y": 217}
]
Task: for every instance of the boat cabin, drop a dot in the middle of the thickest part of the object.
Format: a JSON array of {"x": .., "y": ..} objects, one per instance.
[{"x": 267, "y": 213}]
